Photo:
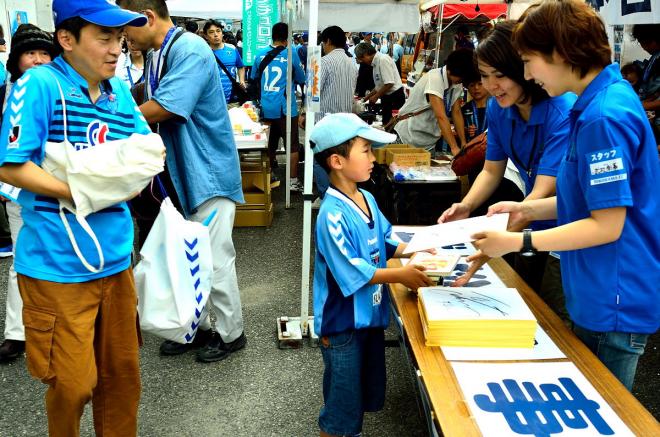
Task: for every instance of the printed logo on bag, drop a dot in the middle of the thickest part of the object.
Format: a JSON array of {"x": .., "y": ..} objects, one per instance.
[
  {"x": 97, "y": 133},
  {"x": 14, "y": 136}
]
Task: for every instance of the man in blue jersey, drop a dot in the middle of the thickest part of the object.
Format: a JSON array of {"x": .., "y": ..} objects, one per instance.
[
  {"x": 80, "y": 325},
  {"x": 273, "y": 98},
  {"x": 182, "y": 85},
  {"x": 350, "y": 302},
  {"x": 227, "y": 55}
]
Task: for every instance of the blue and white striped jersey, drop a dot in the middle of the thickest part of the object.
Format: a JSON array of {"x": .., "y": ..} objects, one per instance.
[
  {"x": 33, "y": 117},
  {"x": 350, "y": 246}
]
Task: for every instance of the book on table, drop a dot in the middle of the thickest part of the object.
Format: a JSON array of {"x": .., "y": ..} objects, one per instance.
[
  {"x": 477, "y": 317},
  {"x": 437, "y": 265}
]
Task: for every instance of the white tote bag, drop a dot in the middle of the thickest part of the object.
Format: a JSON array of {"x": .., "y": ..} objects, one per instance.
[{"x": 174, "y": 276}]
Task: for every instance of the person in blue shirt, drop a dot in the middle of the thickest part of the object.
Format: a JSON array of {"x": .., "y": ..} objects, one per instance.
[
  {"x": 530, "y": 129},
  {"x": 273, "y": 98},
  {"x": 351, "y": 302},
  {"x": 607, "y": 203},
  {"x": 228, "y": 55},
  {"x": 80, "y": 325},
  {"x": 183, "y": 85}
]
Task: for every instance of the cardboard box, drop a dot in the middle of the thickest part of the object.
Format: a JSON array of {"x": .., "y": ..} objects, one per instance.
[
  {"x": 252, "y": 176},
  {"x": 380, "y": 153},
  {"x": 253, "y": 200},
  {"x": 253, "y": 217},
  {"x": 408, "y": 157}
]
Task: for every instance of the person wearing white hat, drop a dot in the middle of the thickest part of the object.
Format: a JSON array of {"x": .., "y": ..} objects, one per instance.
[{"x": 352, "y": 247}]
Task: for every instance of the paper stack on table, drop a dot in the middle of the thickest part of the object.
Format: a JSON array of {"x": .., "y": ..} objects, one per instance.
[{"x": 487, "y": 317}]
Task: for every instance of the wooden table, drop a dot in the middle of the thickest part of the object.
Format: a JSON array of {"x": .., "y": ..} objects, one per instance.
[{"x": 447, "y": 409}]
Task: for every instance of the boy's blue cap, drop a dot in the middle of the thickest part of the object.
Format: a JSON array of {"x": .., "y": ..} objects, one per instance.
[
  {"x": 100, "y": 12},
  {"x": 336, "y": 129}
]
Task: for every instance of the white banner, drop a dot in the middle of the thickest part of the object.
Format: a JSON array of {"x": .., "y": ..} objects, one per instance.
[{"x": 628, "y": 11}]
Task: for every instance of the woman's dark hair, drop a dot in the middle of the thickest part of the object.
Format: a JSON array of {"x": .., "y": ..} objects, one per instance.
[
  {"x": 210, "y": 23},
  {"x": 497, "y": 51},
  {"x": 335, "y": 35},
  {"x": 343, "y": 149}
]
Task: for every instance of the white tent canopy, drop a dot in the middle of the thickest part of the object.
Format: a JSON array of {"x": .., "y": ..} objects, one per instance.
[
  {"x": 229, "y": 9},
  {"x": 365, "y": 15}
]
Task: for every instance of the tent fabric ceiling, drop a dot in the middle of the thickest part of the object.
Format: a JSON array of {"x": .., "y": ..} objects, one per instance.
[
  {"x": 490, "y": 11},
  {"x": 229, "y": 9}
]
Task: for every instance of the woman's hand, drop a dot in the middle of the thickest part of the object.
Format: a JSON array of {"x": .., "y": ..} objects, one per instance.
[
  {"x": 497, "y": 243},
  {"x": 457, "y": 211},
  {"x": 476, "y": 261}
]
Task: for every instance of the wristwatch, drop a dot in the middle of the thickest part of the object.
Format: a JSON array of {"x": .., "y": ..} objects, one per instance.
[{"x": 527, "y": 248}]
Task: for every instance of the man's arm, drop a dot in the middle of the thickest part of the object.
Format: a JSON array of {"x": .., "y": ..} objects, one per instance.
[
  {"x": 33, "y": 178},
  {"x": 438, "y": 107},
  {"x": 241, "y": 76},
  {"x": 459, "y": 123},
  {"x": 154, "y": 113}
]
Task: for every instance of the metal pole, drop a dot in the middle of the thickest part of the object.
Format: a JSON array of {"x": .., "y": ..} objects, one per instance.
[
  {"x": 289, "y": 80},
  {"x": 309, "y": 171}
]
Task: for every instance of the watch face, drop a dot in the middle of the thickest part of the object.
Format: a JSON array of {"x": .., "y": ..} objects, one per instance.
[{"x": 528, "y": 253}]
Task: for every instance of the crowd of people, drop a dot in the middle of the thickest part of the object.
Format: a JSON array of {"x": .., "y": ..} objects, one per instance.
[{"x": 572, "y": 153}]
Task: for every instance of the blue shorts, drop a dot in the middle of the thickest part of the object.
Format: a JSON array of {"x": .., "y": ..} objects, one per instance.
[{"x": 353, "y": 380}]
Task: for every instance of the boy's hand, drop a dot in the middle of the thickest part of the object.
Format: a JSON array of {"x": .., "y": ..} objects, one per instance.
[{"x": 413, "y": 277}]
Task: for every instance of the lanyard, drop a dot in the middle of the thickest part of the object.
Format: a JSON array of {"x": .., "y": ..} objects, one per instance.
[
  {"x": 154, "y": 79},
  {"x": 532, "y": 154},
  {"x": 130, "y": 78},
  {"x": 475, "y": 118}
]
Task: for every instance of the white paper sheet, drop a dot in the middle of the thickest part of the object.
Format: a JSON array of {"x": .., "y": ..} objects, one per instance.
[
  {"x": 403, "y": 234},
  {"x": 459, "y": 231},
  {"x": 544, "y": 349},
  {"x": 542, "y": 399}
]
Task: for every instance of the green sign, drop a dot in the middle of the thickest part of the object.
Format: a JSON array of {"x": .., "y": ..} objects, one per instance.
[{"x": 258, "y": 19}]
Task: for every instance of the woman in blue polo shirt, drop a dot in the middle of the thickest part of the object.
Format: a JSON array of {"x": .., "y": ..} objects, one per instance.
[
  {"x": 607, "y": 206},
  {"x": 530, "y": 129}
]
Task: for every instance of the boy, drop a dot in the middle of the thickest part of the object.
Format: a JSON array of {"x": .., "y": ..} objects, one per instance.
[
  {"x": 80, "y": 327},
  {"x": 350, "y": 302}
]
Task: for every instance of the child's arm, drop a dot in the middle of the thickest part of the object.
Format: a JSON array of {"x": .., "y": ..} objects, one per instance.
[{"x": 411, "y": 276}]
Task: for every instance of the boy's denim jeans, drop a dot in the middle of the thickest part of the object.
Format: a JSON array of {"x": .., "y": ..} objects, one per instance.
[{"x": 619, "y": 351}]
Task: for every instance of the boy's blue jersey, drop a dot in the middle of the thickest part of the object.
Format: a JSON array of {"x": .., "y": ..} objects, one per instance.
[
  {"x": 273, "y": 82},
  {"x": 229, "y": 56},
  {"x": 535, "y": 146},
  {"x": 350, "y": 246},
  {"x": 34, "y": 117},
  {"x": 612, "y": 162}
]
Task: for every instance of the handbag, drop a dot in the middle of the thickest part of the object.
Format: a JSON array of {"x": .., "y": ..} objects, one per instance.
[
  {"x": 174, "y": 276},
  {"x": 471, "y": 156},
  {"x": 100, "y": 176},
  {"x": 238, "y": 92},
  {"x": 389, "y": 127}
]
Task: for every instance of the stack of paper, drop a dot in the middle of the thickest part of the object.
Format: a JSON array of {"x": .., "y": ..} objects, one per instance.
[
  {"x": 436, "y": 265},
  {"x": 487, "y": 317}
]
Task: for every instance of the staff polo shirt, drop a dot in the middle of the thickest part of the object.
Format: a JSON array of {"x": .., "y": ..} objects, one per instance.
[
  {"x": 536, "y": 146},
  {"x": 34, "y": 116},
  {"x": 612, "y": 162},
  {"x": 201, "y": 153},
  {"x": 229, "y": 56},
  {"x": 273, "y": 82},
  {"x": 350, "y": 246},
  {"x": 385, "y": 72}
]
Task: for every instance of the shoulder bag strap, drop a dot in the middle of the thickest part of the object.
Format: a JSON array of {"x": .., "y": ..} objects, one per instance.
[
  {"x": 167, "y": 53},
  {"x": 231, "y": 78}
]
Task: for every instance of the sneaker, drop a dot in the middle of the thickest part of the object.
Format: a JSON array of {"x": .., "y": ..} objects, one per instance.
[
  {"x": 10, "y": 350},
  {"x": 169, "y": 347},
  {"x": 6, "y": 251},
  {"x": 317, "y": 203},
  {"x": 217, "y": 349},
  {"x": 296, "y": 186}
]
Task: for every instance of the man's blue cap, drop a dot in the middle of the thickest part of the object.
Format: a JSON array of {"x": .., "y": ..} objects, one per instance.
[
  {"x": 100, "y": 12},
  {"x": 336, "y": 129}
]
